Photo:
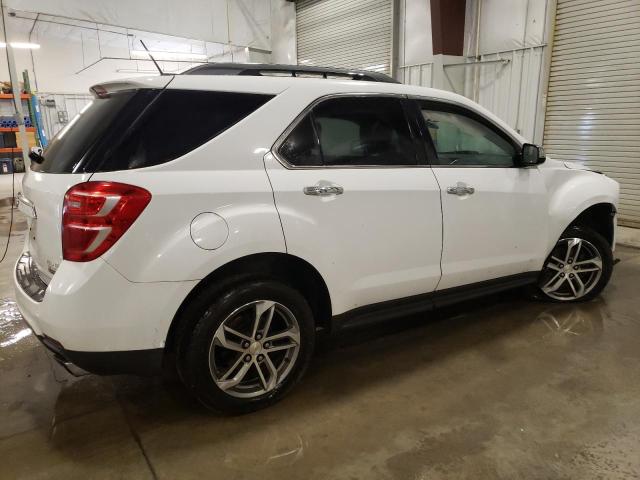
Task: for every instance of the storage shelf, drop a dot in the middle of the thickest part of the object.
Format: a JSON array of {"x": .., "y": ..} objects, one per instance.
[
  {"x": 15, "y": 129},
  {"x": 9, "y": 96}
]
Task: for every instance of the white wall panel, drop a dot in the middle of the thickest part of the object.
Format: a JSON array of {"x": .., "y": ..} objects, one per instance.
[
  {"x": 420, "y": 75},
  {"x": 77, "y": 53},
  {"x": 250, "y": 23},
  {"x": 283, "y": 32},
  {"x": 202, "y": 19},
  {"x": 512, "y": 30},
  {"x": 415, "y": 40},
  {"x": 505, "y": 24},
  {"x": 510, "y": 90}
]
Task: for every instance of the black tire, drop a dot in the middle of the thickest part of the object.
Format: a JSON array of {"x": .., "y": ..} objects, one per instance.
[
  {"x": 603, "y": 249},
  {"x": 207, "y": 312}
]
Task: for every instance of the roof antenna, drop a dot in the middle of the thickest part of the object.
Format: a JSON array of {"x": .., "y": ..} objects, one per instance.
[{"x": 153, "y": 59}]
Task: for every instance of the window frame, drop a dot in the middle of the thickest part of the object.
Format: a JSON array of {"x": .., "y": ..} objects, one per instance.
[
  {"x": 458, "y": 108},
  {"x": 405, "y": 103}
]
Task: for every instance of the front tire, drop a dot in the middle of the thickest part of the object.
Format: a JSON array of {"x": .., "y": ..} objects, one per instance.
[
  {"x": 250, "y": 345},
  {"x": 578, "y": 268}
]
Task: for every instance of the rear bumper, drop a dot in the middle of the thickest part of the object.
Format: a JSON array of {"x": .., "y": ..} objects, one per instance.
[
  {"x": 136, "y": 362},
  {"x": 93, "y": 317}
]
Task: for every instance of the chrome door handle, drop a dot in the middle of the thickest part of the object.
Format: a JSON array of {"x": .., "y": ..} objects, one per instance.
[
  {"x": 323, "y": 190},
  {"x": 461, "y": 189}
]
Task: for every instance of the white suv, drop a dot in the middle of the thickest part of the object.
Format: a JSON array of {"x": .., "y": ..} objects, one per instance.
[{"x": 217, "y": 220}]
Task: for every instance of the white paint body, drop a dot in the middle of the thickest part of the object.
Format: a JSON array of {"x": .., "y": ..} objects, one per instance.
[{"x": 392, "y": 234}]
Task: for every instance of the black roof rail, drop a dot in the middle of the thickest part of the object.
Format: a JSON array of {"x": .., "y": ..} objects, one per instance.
[{"x": 265, "y": 69}]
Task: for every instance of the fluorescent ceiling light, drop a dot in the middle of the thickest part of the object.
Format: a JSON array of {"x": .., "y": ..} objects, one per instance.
[
  {"x": 30, "y": 46},
  {"x": 175, "y": 56}
]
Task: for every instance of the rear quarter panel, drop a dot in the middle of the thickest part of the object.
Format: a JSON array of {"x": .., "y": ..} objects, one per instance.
[{"x": 225, "y": 176}]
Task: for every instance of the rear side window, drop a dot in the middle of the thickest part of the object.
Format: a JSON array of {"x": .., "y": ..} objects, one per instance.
[
  {"x": 68, "y": 149},
  {"x": 352, "y": 131},
  {"x": 143, "y": 128},
  {"x": 176, "y": 123}
]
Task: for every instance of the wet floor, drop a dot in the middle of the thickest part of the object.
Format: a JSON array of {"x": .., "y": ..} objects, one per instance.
[{"x": 498, "y": 388}]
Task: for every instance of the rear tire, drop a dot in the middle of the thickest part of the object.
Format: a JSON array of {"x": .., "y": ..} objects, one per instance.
[
  {"x": 250, "y": 344},
  {"x": 578, "y": 268}
]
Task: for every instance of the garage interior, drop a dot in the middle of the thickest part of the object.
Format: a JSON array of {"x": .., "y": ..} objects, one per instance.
[{"x": 495, "y": 388}]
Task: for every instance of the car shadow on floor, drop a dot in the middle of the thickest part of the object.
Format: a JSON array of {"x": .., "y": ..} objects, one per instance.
[{"x": 347, "y": 367}]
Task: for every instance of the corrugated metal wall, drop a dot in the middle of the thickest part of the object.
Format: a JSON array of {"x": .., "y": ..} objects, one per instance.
[
  {"x": 512, "y": 30},
  {"x": 420, "y": 75},
  {"x": 511, "y": 89},
  {"x": 593, "y": 103},
  {"x": 345, "y": 33}
]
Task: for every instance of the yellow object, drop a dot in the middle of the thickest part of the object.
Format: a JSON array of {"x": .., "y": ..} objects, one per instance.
[{"x": 31, "y": 139}]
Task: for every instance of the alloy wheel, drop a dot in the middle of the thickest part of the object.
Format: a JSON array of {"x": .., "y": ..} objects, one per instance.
[
  {"x": 572, "y": 270},
  {"x": 254, "y": 349}
]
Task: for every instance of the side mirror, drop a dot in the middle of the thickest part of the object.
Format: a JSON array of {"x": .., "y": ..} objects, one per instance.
[{"x": 531, "y": 155}]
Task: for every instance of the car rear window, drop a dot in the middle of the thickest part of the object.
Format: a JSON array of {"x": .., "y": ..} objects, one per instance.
[{"x": 141, "y": 128}]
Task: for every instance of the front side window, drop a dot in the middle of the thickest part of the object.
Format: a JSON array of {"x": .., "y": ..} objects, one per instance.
[
  {"x": 461, "y": 140},
  {"x": 352, "y": 131}
]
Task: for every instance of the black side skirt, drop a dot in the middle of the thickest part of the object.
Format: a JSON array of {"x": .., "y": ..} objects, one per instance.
[{"x": 402, "y": 307}]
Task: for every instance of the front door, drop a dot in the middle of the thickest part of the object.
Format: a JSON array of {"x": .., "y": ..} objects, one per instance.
[
  {"x": 358, "y": 201},
  {"x": 494, "y": 213}
]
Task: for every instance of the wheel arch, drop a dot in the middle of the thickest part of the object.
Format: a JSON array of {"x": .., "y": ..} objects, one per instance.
[
  {"x": 582, "y": 198},
  {"x": 599, "y": 217},
  {"x": 285, "y": 267}
]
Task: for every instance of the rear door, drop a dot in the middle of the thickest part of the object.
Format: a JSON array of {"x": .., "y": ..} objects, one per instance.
[
  {"x": 358, "y": 201},
  {"x": 494, "y": 212}
]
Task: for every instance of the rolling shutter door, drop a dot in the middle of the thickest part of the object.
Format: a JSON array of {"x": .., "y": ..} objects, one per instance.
[
  {"x": 593, "y": 103},
  {"x": 345, "y": 33}
]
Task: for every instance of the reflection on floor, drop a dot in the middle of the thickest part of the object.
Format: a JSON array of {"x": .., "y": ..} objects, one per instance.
[{"x": 498, "y": 388}]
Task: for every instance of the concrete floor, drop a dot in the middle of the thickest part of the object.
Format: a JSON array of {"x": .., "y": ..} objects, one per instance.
[{"x": 501, "y": 388}]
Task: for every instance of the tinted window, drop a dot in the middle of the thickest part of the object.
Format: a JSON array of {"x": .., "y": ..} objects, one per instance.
[
  {"x": 144, "y": 128},
  {"x": 364, "y": 131},
  {"x": 301, "y": 146},
  {"x": 460, "y": 139},
  {"x": 69, "y": 147},
  {"x": 176, "y": 123},
  {"x": 349, "y": 131}
]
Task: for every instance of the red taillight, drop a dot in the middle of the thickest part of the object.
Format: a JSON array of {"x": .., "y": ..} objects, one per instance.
[{"x": 96, "y": 214}]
